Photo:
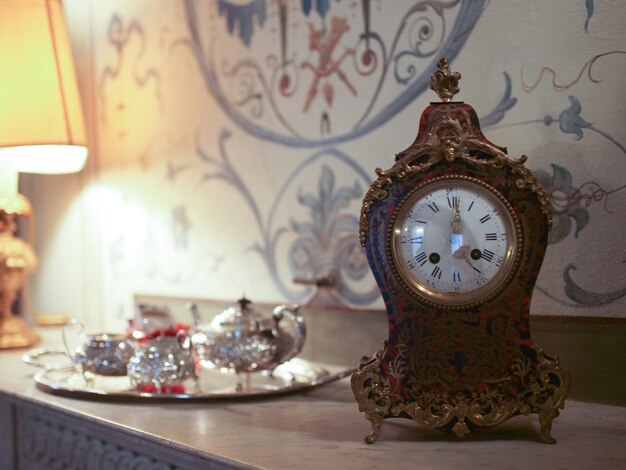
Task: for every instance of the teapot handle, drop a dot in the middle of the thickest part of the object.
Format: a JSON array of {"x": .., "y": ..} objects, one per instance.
[{"x": 299, "y": 325}]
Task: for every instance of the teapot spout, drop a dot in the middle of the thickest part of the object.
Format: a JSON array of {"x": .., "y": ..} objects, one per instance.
[{"x": 289, "y": 347}]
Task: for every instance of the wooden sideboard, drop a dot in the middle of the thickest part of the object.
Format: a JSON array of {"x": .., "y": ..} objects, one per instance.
[
  {"x": 321, "y": 428},
  {"x": 43, "y": 437}
]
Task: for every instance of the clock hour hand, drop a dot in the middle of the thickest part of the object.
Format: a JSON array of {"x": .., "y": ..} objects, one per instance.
[{"x": 462, "y": 252}]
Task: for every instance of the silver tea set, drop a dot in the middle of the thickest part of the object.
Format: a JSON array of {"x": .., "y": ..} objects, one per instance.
[
  {"x": 162, "y": 364},
  {"x": 239, "y": 340}
]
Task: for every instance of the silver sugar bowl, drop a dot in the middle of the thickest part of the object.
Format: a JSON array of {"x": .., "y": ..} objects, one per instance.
[
  {"x": 163, "y": 364},
  {"x": 241, "y": 339}
]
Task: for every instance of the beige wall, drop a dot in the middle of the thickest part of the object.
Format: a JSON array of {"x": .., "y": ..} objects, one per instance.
[{"x": 196, "y": 159}]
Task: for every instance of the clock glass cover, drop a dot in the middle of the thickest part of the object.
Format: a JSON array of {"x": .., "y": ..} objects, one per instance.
[{"x": 454, "y": 241}]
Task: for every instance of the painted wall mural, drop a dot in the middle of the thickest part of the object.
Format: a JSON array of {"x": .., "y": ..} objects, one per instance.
[
  {"x": 342, "y": 65},
  {"x": 245, "y": 132}
]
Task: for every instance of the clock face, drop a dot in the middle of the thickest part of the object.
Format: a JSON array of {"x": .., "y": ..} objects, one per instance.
[{"x": 455, "y": 241}]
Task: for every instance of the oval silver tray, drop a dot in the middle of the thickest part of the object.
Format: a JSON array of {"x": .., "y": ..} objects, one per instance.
[{"x": 292, "y": 376}]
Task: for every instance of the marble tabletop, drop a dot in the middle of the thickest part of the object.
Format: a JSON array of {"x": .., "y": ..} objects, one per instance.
[{"x": 322, "y": 428}]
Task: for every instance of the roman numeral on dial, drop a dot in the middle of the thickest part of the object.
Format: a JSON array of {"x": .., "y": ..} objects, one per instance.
[
  {"x": 491, "y": 236},
  {"x": 488, "y": 255},
  {"x": 436, "y": 272},
  {"x": 485, "y": 218},
  {"x": 422, "y": 258},
  {"x": 453, "y": 202}
]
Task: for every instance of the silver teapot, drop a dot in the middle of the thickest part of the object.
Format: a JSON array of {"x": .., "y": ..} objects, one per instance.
[{"x": 241, "y": 340}]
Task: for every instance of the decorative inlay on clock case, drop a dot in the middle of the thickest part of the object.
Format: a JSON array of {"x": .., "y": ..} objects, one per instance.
[{"x": 455, "y": 233}]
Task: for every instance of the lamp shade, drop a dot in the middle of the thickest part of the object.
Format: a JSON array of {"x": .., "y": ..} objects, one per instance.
[{"x": 42, "y": 127}]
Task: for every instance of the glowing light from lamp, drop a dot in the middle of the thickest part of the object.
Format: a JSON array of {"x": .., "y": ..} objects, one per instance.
[{"x": 49, "y": 159}]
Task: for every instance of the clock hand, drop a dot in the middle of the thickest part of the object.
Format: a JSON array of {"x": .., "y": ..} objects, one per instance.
[
  {"x": 462, "y": 252},
  {"x": 456, "y": 224},
  {"x": 472, "y": 266}
]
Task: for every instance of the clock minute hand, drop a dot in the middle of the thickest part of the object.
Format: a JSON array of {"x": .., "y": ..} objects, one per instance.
[{"x": 456, "y": 224}]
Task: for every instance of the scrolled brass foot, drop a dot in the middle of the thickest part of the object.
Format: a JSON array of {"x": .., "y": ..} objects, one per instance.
[
  {"x": 460, "y": 428},
  {"x": 373, "y": 436},
  {"x": 545, "y": 420}
]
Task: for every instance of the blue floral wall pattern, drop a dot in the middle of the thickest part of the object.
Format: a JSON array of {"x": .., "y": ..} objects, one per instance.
[{"x": 278, "y": 111}]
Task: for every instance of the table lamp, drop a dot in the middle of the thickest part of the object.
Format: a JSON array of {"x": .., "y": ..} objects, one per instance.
[{"x": 42, "y": 130}]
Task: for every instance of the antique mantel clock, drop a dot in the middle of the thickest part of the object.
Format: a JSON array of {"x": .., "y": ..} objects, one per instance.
[{"x": 455, "y": 233}]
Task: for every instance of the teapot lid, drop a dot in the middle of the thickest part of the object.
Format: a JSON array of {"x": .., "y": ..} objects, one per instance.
[{"x": 240, "y": 316}]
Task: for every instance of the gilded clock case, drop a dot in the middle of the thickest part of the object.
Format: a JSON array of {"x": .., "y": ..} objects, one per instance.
[{"x": 458, "y": 368}]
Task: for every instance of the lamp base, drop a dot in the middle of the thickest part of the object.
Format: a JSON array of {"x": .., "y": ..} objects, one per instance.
[
  {"x": 16, "y": 333},
  {"x": 17, "y": 260}
]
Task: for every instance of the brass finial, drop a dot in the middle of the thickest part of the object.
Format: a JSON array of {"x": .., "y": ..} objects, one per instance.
[{"x": 444, "y": 82}]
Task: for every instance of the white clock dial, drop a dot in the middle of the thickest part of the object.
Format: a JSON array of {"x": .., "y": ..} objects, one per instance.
[{"x": 454, "y": 241}]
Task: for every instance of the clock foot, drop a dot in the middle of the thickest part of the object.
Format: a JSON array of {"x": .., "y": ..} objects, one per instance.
[
  {"x": 373, "y": 436},
  {"x": 376, "y": 420},
  {"x": 556, "y": 382},
  {"x": 545, "y": 420}
]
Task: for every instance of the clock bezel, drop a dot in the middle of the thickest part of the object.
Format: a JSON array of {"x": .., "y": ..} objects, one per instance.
[{"x": 425, "y": 293}]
